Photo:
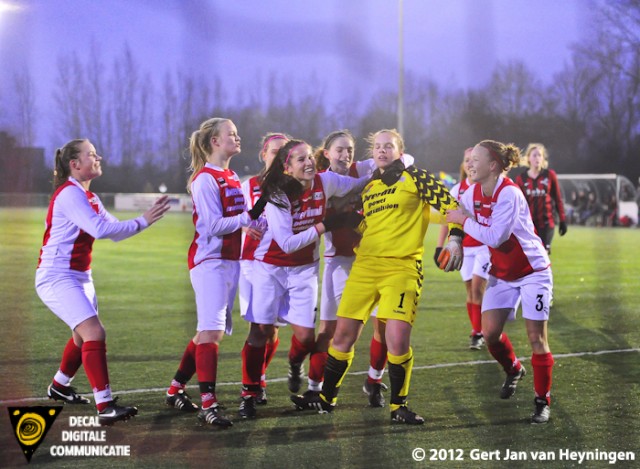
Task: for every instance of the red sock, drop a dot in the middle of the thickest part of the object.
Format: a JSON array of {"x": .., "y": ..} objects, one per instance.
[
  {"x": 94, "y": 357},
  {"x": 252, "y": 362},
  {"x": 542, "y": 365},
  {"x": 71, "y": 360},
  {"x": 207, "y": 362},
  {"x": 207, "y": 370},
  {"x": 377, "y": 358},
  {"x": 470, "y": 314},
  {"x": 269, "y": 353},
  {"x": 504, "y": 354},
  {"x": 186, "y": 369},
  {"x": 317, "y": 362},
  {"x": 476, "y": 318},
  {"x": 299, "y": 351}
]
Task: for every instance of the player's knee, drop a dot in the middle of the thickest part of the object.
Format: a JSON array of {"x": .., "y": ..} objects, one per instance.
[
  {"x": 258, "y": 334},
  {"x": 306, "y": 336},
  {"x": 538, "y": 342},
  {"x": 491, "y": 334},
  {"x": 327, "y": 328}
]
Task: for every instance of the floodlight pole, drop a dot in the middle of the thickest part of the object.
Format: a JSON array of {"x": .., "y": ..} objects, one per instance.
[{"x": 400, "y": 69}]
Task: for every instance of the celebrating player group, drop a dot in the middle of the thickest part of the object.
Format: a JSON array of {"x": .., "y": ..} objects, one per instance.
[{"x": 261, "y": 240}]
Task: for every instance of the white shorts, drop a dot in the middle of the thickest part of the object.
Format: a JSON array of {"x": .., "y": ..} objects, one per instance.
[
  {"x": 476, "y": 261},
  {"x": 245, "y": 286},
  {"x": 296, "y": 286},
  {"x": 215, "y": 282},
  {"x": 70, "y": 294},
  {"x": 535, "y": 291},
  {"x": 334, "y": 277},
  {"x": 245, "y": 293}
]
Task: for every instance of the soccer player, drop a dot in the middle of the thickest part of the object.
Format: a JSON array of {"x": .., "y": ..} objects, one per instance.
[
  {"x": 219, "y": 213},
  {"x": 271, "y": 143},
  {"x": 495, "y": 212},
  {"x": 542, "y": 191},
  {"x": 336, "y": 155},
  {"x": 387, "y": 270},
  {"x": 475, "y": 263},
  {"x": 287, "y": 260},
  {"x": 64, "y": 283}
]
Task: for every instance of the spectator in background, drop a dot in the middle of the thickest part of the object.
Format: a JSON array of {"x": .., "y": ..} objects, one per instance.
[
  {"x": 542, "y": 191},
  {"x": 611, "y": 214}
]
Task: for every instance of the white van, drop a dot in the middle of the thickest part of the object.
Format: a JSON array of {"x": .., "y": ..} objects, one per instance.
[{"x": 598, "y": 191}]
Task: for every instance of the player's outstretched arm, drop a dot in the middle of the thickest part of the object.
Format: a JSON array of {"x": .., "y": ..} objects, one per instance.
[{"x": 157, "y": 210}]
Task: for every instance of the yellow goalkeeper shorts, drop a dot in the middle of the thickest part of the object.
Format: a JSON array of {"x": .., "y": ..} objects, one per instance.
[{"x": 392, "y": 284}]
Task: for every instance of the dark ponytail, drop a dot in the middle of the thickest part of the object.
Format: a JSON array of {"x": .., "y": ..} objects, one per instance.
[
  {"x": 63, "y": 156},
  {"x": 276, "y": 181}
]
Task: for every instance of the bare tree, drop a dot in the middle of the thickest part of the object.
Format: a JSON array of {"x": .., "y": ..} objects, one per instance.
[
  {"x": 615, "y": 52},
  {"x": 68, "y": 96},
  {"x": 27, "y": 113}
]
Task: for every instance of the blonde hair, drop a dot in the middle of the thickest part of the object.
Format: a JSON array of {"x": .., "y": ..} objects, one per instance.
[
  {"x": 62, "y": 160},
  {"x": 266, "y": 138},
  {"x": 507, "y": 154},
  {"x": 371, "y": 139},
  {"x": 200, "y": 145},
  {"x": 543, "y": 151},
  {"x": 322, "y": 162}
]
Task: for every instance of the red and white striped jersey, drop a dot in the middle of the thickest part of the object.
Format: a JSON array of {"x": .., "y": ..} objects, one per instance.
[
  {"x": 291, "y": 238},
  {"x": 503, "y": 222},
  {"x": 252, "y": 192},
  {"x": 76, "y": 217},
  {"x": 457, "y": 191},
  {"x": 341, "y": 242},
  {"x": 542, "y": 194},
  {"x": 219, "y": 213}
]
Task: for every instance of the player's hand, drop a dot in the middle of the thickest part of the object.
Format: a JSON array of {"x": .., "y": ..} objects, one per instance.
[
  {"x": 562, "y": 229},
  {"x": 342, "y": 220},
  {"x": 157, "y": 210},
  {"x": 256, "y": 229},
  {"x": 451, "y": 256},
  {"x": 458, "y": 216},
  {"x": 436, "y": 255},
  {"x": 258, "y": 208}
]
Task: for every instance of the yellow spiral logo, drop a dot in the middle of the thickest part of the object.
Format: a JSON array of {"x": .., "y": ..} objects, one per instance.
[{"x": 30, "y": 428}]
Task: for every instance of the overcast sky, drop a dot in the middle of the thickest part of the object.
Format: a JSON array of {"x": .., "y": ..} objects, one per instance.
[{"x": 350, "y": 45}]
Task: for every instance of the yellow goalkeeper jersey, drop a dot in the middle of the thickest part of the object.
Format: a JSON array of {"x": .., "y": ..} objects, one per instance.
[{"x": 396, "y": 211}]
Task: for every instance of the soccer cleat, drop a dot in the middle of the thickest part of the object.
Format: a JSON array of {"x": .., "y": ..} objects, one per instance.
[
  {"x": 295, "y": 376},
  {"x": 403, "y": 415},
  {"x": 261, "y": 398},
  {"x": 212, "y": 416},
  {"x": 65, "y": 394},
  {"x": 181, "y": 401},
  {"x": 374, "y": 391},
  {"x": 306, "y": 401},
  {"x": 247, "y": 408},
  {"x": 511, "y": 382},
  {"x": 476, "y": 342},
  {"x": 114, "y": 413},
  {"x": 312, "y": 400},
  {"x": 541, "y": 412}
]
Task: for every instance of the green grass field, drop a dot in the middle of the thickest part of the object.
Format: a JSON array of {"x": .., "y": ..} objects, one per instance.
[{"x": 147, "y": 306}]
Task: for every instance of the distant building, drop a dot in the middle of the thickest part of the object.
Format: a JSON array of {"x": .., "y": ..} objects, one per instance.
[{"x": 22, "y": 169}]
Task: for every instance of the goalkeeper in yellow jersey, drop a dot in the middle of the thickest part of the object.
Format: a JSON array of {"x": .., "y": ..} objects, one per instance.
[{"x": 387, "y": 271}]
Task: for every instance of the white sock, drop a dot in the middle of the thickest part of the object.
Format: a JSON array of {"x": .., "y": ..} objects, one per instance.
[
  {"x": 375, "y": 374},
  {"x": 315, "y": 385},
  {"x": 62, "y": 379}
]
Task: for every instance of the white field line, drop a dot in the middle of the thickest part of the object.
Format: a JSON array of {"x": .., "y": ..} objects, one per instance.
[{"x": 356, "y": 373}]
